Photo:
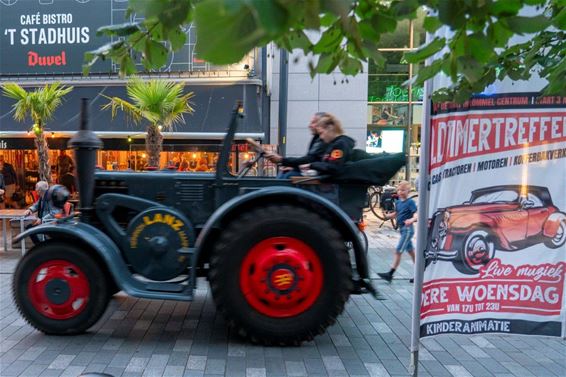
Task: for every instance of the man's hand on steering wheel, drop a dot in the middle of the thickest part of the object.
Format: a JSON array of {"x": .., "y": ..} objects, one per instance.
[{"x": 274, "y": 157}]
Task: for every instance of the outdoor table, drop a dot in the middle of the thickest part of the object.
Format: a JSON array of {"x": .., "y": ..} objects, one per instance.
[{"x": 13, "y": 214}]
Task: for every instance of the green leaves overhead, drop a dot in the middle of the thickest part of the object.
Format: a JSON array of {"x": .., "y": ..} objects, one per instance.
[
  {"x": 120, "y": 29},
  {"x": 228, "y": 30},
  {"x": 452, "y": 13},
  {"x": 505, "y": 8},
  {"x": 297, "y": 40},
  {"x": 425, "y": 51},
  {"x": 177, "y": 37},
  {"x": 559, "y": 20},
  {"x": 350, "y": 66},
  {"x": 170, "y": 13},
  {"x": 431, "y": 24},
  {"x": 347, "y": 33},
  {"x": 527, "y": 25}
]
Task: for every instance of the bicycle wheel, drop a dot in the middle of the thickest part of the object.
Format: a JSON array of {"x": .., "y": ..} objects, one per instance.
[
  {"x": 371, "y": 190},
  {"x": 375, "y": 206},
  {"x": 394, "y": 222}
]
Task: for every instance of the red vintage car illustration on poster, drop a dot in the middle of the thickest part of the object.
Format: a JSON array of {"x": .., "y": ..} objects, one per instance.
[
  {"x": 495, "y": 253},
  {"x": 506, "y": 218}
]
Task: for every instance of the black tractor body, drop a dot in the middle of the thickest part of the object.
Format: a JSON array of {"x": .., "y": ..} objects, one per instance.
[{"x": 281, "y": 257}]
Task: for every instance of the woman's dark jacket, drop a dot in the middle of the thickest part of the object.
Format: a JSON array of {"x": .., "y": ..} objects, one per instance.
[{"x": 337, "y": 152}]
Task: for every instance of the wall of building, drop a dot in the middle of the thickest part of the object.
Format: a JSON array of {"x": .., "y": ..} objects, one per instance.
[{"x": 331, "y": 93}]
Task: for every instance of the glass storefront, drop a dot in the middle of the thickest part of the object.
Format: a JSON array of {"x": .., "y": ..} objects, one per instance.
[
  {"x": 187, "y": 158},
  {"x": 394, "y": 113}
]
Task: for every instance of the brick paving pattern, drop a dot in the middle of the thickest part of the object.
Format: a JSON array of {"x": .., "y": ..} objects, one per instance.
[{"x": 138, "y": 337}]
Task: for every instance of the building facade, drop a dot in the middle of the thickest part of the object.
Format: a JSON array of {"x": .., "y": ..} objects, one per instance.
[
  {"x": 45, "y": 41},
  {"x": 345, "y": 97},
  {"x": 376, "y": 107}
]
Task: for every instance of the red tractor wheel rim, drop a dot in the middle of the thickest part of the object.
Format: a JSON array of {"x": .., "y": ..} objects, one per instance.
[
  {"x": 58, "y": 289},
  {"x": 281, "y": 277}
]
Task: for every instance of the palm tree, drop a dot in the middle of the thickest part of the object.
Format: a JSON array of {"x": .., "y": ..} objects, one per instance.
[
  {"x": 162, "y": 103},
  {"x": 39, "y": 104}
]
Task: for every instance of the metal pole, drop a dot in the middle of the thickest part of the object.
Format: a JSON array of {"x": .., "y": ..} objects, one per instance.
[
  {"x": 265, "y": 98},
  {"x": 410, "y": 111},
  {"x": 283, "y": 89},
  {"x": 424, "y": 192}
]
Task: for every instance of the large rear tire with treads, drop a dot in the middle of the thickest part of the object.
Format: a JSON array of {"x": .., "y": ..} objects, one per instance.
[{"x": 280, "y": 274}]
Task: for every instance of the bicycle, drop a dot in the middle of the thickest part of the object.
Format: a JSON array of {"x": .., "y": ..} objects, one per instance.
[
  {"x": 382, "y": 201},
  {"x": 371, "y": 197}
]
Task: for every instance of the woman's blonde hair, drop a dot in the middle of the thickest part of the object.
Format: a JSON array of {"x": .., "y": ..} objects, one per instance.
[{"x": 330, "y": 120}]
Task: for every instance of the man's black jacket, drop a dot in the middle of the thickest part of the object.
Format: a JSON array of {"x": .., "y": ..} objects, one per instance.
[{"x": 315, "y": 153}]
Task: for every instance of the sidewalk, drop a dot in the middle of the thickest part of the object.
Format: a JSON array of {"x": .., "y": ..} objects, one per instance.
[{"x": 139, "y": 337}]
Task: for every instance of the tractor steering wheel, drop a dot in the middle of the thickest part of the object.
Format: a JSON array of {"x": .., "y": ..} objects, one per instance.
[{"x": 260, "y": 153}]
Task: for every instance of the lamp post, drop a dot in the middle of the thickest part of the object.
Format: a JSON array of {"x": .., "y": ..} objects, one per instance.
[{"x": 283, "y": 89}]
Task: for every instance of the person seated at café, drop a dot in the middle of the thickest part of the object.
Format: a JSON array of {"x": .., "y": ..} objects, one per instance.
[
  {"x": 64, "y": 164},
  {"x": 68, "y": 180},
  {"x": 10, "y": 182},
  {"x": 202, "y": 165},
  {"x": 338, "y": 147},
  {"x": 44, "y": 208},
  {"x": 2, "y": 191},
  {"x": 184, "y": 164}
]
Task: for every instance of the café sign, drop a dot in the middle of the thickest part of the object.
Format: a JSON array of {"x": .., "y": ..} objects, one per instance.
[{"x": 39, "y": 37}]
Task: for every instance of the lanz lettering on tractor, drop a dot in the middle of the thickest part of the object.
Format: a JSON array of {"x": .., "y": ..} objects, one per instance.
[{"x": 277, "y": 253}]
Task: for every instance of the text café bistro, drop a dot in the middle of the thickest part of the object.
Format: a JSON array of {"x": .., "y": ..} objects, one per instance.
[{"x": 43, "y": 43}]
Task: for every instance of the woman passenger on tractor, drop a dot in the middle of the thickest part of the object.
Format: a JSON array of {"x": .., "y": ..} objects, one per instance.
[
  {"x": 338, "y": 147},
  {"x": 338, "y": 150}
]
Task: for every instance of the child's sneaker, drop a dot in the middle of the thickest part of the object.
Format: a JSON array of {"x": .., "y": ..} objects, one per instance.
[{"x": 388, "y": 276}]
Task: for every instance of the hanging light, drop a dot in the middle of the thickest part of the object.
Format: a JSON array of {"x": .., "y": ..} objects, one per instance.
[
  {"x": 52, "y": 135},
  {"x": 129, "y": 139},
  {"x": 160, "y": 127}
]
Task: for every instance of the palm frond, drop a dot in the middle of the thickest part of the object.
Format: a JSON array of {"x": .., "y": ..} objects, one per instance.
[
  {"x": 14, "y": 91},
  {"x": 40, "y": 103},
  {"x": 130, "y": 110}
]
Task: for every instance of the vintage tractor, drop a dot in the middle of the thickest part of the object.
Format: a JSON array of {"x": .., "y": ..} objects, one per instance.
[{"x": 280, "y": 258}]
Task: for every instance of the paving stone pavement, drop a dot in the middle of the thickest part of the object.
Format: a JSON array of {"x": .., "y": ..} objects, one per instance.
[{"x": 138, "y": 338}]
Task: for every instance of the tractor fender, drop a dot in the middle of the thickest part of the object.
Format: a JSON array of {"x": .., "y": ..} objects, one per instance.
[
  {"x": 100, "y": 244},
  {"x": 279, "y": 194}
]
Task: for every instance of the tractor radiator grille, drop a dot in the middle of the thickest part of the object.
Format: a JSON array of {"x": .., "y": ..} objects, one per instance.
[{"x": 187, "y": 192}]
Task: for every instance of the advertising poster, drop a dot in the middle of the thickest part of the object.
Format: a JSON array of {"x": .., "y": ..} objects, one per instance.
[{"x": 495, "y": 256}]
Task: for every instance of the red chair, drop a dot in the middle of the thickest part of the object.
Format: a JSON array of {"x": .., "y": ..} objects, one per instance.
[
  {"x": 68, "y": 209},
  {"x": 34, "y": 195}
]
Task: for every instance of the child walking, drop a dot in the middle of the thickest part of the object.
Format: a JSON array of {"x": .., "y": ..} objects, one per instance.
[{"x": 406, "y": 214}]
